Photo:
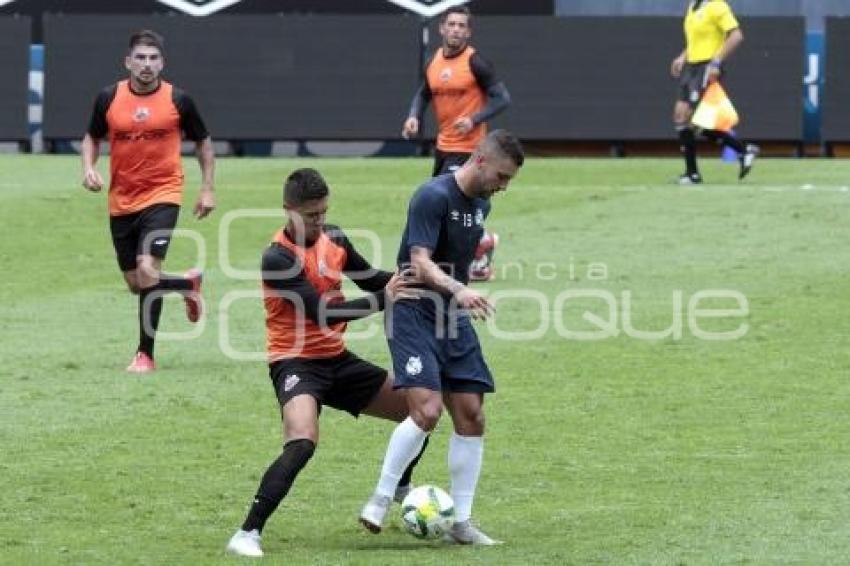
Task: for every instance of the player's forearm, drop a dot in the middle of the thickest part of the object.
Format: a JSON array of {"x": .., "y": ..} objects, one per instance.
[
  {"x": 354, "y": 309},
  {"x": 206, "y": 159},
  {"x": 419, "y": 102},
  {"x": 318, "y": 310},
  {"x": 372, "y": 280},
  {"x": 733, "y": 40},
  {"x": 498, "y": 98},
  {"x": 430, "y": 274},
  {"x": 89, "y": 152}
]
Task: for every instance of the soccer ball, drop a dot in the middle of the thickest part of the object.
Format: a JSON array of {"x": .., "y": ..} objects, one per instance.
[{"x": 427, "y": 512}]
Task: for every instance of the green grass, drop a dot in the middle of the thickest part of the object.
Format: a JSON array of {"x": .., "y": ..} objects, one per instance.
[{"x": 624, "y": 451}]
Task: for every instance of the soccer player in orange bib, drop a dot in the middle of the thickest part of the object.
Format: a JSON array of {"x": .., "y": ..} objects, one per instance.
[
  {"x": 309, "y": 363},
  {"x": 466, "y": 93},
  {"x": 145, "y": 119},
  {"x": 712, "y": 34}
]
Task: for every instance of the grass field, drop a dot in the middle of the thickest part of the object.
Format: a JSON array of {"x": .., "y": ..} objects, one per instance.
[{"x": 623, "y": 450}]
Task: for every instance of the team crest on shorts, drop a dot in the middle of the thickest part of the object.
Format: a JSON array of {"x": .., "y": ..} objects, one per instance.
[
  {"x": 291, "y": 381},
  {"x": 414, "y": 365}
]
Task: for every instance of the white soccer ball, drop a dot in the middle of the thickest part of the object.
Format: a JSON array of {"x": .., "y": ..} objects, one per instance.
[{"x": 427, "y": 512}]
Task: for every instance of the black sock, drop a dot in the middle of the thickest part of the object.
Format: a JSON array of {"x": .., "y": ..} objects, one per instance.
[
  {"x": 688, "y": 147},
  {"x": 276, "y": 482},
  {"x": 150, "y": 308},
  {"x": 173, "y": 283},
  {"x": 408, "y": 472},
  {"x": 726, "y": 139}
]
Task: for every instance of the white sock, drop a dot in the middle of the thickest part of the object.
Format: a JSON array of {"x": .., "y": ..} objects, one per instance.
[
  {"x": 405, "y": 443},
  {"x": 465, "y": 455}
]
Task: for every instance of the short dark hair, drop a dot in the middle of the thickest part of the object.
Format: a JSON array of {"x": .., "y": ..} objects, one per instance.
[
  {"x": 457, "y": 10},
  {"x": 304, "y": 185},
  {"x": 507, "y": 144},
  {"x": 148, "y": 38}
]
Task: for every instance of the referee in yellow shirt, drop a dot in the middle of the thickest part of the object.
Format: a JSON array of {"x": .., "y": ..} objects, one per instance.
[{"x": 711, "y": 35}]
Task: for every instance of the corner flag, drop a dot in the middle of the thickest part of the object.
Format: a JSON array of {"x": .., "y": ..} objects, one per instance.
[{"x": 715, "y": 110}]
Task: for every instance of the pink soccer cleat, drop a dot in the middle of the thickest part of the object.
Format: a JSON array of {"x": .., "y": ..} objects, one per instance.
[
  {"x": 193, "y": 299},
  {"x": 142, "y": 363}
]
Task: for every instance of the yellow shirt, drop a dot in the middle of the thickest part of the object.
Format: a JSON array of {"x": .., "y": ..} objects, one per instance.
[{"x": 706, "y": 29}]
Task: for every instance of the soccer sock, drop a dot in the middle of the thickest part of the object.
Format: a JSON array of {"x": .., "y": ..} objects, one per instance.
[
  {"x": 150, "y": 309},
  {"x": 688, "y": 147},
  {"x": 727, "y": 139},
  {"x": 465, "y": 456},
  {"x": 405, "y": 443},
  {"x": 276, "y": 482},
  {"x": 173, "y": 283},
  {"x": 405, "y": 477}
]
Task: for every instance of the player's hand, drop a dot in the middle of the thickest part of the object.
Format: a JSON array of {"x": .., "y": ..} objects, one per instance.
[
  {"x": 473, "y": 301},
  {"x": 92, "y": 180},
  {"x": 400, "y": 287},
  {"x": 463, "y": 125},
  {"x": 410, "y": 128},
  {"x": 676, "y": 67},
  {"x": 205, "y": 204}
]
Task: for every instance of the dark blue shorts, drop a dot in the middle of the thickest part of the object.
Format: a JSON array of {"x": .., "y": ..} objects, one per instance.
[{"x": 440, "y": 359}]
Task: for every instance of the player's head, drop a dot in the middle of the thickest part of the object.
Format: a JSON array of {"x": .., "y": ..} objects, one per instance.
[
  {"x": 495, "y": 162},
  {"x": 145, "y": 57},
  {"x": 305, "y": 199},
  {"x": 456, "y": 28}
]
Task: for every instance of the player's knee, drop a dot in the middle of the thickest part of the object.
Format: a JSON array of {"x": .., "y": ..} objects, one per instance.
[
  {"x": 309, "y": 433},
  {"x": 427, "y": 416},
  {"x": 470, "y": 424},
  {"x": 147, "y": 267},
  {"x": 682, "y": 116},
  {"x": 145, "y": 281}
]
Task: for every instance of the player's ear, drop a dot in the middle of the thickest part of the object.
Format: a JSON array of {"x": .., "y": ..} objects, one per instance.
[{"x": 127, "y": 61}]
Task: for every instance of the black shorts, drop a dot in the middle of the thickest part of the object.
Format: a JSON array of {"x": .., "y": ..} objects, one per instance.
[
  {"x": 344, "y": 382},
  {"x": 692, "y": 83},
  {"x": 146, "y": 232},
  {"x": 445, "y": 162}
]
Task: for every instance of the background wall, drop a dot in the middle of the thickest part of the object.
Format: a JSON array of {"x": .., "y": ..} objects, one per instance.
[
  {"x": 565, "y": 87},
  {"x": 358, "y": 81},
  {"x": 813, "y": 10},
  {"x": 14, "y": 60},
  {"x": 37, "y": 8}
]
